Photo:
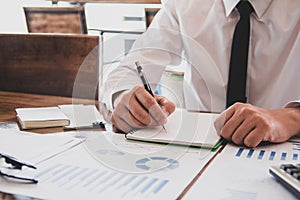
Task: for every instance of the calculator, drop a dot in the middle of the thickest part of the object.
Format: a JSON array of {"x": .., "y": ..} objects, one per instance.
[{"x": 289, "y": 176}]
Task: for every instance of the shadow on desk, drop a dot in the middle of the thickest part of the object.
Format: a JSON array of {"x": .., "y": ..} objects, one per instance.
[{"x": 53, "y": 64}]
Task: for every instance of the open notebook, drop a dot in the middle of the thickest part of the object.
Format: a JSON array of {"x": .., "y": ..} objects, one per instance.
[{"x": 183, "y": 128}]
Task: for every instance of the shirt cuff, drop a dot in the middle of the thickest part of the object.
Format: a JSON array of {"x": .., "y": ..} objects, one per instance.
[{"x": 293, "y": 104}]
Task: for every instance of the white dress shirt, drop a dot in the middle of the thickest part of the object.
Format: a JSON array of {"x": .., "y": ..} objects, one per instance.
[{"x": 203, "y": 30}]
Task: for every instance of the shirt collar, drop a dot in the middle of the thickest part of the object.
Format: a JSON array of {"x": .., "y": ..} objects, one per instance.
[{"x": 260, "y": 6}]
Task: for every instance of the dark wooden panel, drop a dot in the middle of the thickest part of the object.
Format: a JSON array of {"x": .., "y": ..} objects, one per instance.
[
  {"x": 62, "y": 65},
  {"x": 55, "y": 20}
]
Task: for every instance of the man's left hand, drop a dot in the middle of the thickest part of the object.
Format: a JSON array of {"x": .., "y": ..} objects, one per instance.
[{"x": 245, "y": 124}]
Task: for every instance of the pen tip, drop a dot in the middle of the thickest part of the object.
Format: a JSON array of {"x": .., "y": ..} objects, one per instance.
[{"x": 164, "y": 128}]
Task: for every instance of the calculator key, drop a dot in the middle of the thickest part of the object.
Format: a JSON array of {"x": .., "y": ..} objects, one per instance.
[
  {"x": 296, "y": 175},
  {"x": 291, "y": 171},
  {"x": 286, "y": 166}
]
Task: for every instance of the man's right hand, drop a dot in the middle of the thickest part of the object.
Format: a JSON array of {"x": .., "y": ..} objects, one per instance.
[{"x": 137, "y": 108}]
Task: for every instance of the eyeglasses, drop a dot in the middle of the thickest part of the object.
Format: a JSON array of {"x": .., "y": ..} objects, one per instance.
[{"x": 16, "y": 165}]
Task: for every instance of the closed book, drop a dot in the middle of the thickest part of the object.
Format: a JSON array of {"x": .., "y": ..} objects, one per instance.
[
  {"x": 182, "y": 128},
  {"x": 41, "y": 117}
]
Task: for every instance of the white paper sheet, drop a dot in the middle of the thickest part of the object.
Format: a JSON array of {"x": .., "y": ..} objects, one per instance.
[
  {"x": 240, "y": 173},
  {"x": 183, "y": 128},
  {"x": 106, "y": 166},
  {"x": 81, "y": 116},
  {"x": 35, "y": 148}
]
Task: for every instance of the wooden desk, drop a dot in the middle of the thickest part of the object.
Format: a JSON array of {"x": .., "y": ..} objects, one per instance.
[{"x": 9, "y": 101}]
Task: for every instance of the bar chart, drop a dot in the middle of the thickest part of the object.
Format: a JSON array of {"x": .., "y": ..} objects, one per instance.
[
  {"x": 87, "y": 180},
  {"x": 265, "y": 154}
]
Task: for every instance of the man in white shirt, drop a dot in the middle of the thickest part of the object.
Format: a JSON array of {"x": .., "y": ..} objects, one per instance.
[{"x": 203, "y": 30}]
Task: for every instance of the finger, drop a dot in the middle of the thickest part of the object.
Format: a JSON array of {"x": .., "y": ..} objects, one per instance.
[
  {"x": 231, "y": 125},
  {"x": 221, "y": 120},
  {"x": 138, "y": 112},
  {"x": 119, "y": 126},
  {"x": 121, "y": 112},
  {"x": 167, "y": 106},
  {"x": 254, "y": 138},
  {"x": 157, "y": 114},
  {"x": 242, "y": 132}
]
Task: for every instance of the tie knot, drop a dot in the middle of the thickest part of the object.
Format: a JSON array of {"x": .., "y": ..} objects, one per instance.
[{"x": 245, "y": 8}]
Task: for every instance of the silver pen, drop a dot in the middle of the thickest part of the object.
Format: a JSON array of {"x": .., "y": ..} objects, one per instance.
[{"x": 145, "y": 82}]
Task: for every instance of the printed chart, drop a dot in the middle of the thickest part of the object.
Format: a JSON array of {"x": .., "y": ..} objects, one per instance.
[
  {"x": 154, "y": 163},
  {"x": 266, "y": 155},
  {"x": 75, "y": 178}
]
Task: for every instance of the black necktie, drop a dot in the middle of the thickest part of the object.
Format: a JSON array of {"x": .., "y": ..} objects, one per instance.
[{"x": 239, "y": 56}]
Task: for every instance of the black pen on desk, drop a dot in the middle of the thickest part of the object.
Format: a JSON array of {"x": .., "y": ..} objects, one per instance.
[{"x": 145, "y": 82}]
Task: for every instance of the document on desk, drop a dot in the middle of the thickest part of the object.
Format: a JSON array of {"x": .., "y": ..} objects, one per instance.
[
  {"x": 81, "y": 116},
  {"x": 106, "y": 166},
  {"x": 242, "y": 173},
  {"x": 35, "y": 148}
]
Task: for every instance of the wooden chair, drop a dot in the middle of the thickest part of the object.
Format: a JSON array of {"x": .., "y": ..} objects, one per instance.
[
  {"x": 150, "y": 14},
  {"x": 53, "y": 64},
  {"x": 55, "y": 20}
]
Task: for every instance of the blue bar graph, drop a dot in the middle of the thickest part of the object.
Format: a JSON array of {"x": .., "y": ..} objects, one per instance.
[
  {"x": 93, "y": 179},
  {"x": 283, "y": 156},
  {"x": 272, "y": 155},
  {"x": 118, "y": 179},
  {"x": 49, "y": 169},
  {"x": 128, "y": 181},
  {"x": 148, "y": 185},
  {"x": 261, "y": 154},
  {"x": 160, "y": 186},
  {"x": 63, "y": 175},
  {"x": 101, "y": 181},
  {"x": 239, "y": 152},
  {"x": 139, "y": 182},
  {"x": 295, "y": 156},
  {"x": 78, "y": 174},
  {"x": 250, "y": 153}
]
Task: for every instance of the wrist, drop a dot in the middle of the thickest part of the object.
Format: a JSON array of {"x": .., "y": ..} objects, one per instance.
[
  {"x": 294, "y": 120},
  {"x": 116, "y": 98}
]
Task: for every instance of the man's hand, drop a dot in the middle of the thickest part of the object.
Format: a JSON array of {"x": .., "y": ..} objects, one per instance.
[
  {"x": 245, "y": 124},
  {"x": 137, "y": 109}
]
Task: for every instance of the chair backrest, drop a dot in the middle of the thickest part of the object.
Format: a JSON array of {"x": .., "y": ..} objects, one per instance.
[
  {"x": 55, "y": 20},
  {"x": 149, "y": 15},
  {"x": 54, "y": 64}
]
